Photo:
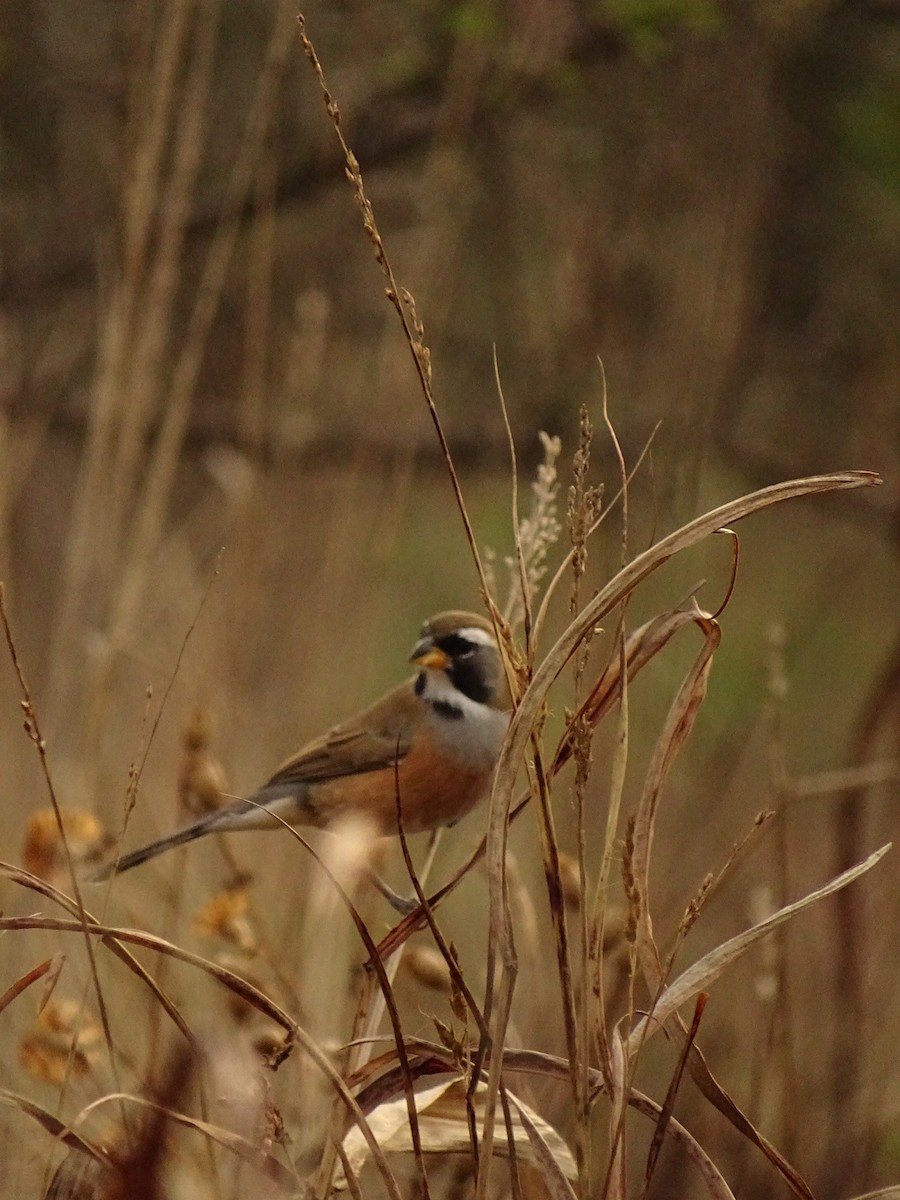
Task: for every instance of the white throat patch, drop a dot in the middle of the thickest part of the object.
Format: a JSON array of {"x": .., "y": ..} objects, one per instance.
[{"x": 474, "y": 732}]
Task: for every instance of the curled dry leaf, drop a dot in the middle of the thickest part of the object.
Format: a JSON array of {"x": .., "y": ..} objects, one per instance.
[{"x": 444, "y": 1129}]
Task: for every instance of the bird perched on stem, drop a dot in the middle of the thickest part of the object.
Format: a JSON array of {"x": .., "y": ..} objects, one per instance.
[{"x": 433, "y": 742}]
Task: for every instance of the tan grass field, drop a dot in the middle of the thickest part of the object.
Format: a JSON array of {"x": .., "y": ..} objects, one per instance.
[{"x": 658, "y": 961}]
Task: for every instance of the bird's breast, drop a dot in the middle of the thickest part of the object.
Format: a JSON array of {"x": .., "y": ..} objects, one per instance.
[{"x": 434, "y": 789}]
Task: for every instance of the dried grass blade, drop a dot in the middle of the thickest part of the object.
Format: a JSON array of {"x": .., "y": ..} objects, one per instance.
[
  {"x": 634, "y": 572},
  {"x": 701, "y": 974},
  {"x": 677, "y": 728},
  {"x": 25, "y": 981},
  {"x": 717, "y": 1096},
  {"x": 138, "y": 937},
  {"x": 715, "y": 1183},
  {"x": 614, "y": 1188},
  {"x": 558, "y": 1186},
  {"x": 527, "y": 713},
  {"x": 576, "y": 1049},
  {"x": 52, "y": 1125},
  {"x": 642, "y": 645},
  {"x": 598, "y": 908},
  {"x": 25, "y": 879},
  {"x": 665, "y": 1115},
  {"x": 249, "y": 1153}
]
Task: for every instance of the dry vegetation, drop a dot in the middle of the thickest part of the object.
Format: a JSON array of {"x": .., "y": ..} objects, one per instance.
[{"x": 532, "y": 1027}]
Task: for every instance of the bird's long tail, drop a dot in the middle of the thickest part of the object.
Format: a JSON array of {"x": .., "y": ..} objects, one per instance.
[{"x": 207, "y": 824}]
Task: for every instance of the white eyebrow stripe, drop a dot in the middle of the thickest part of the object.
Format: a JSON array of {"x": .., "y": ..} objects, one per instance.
[{"x": 480, "y": 637}]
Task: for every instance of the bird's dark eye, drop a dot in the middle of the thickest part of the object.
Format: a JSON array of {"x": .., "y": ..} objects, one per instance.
[{"x": 457, "y": 647}]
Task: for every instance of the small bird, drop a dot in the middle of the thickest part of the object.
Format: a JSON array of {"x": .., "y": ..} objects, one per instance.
[{"x": 434, "y": 741}]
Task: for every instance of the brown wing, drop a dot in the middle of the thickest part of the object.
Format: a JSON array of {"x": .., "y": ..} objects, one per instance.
[{"x": 374, "y": 739}]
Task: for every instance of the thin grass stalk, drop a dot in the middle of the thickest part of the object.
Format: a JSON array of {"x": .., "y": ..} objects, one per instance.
[
  {"x": 440, "y": 941},
  {"x": 878, "y": 716},
  {"x": 575, "y": 1047},
  {"x": 499, "y": 988},
  {"x": 678, "y": 725},
  {"x": 33, "y": 729},
  {"x": 665, "y": 1115},
  {"x": 615, "y": 1182},
  {"x": 137, "y": 771},
  {"x": 524, "y": 587},
  {"x": 566, "y": 563},
  {"x": 369, "y": 1010},
  {"x": 618, "y": 769},
  {"x": 581, "y": 508},
  {"x": 390, "y": 1006},
  {"x": 152, "y": 333},
  {"x": 399, "y": 297},
  {"x": 447, "y": 202},
  {"x": 161, "y": 966},
  {"x": 164, "y": 457},
  {"x": 498, "y": 1004},
  {"x": 84, "y": 554},
  {"x": 258, "y": 313}
]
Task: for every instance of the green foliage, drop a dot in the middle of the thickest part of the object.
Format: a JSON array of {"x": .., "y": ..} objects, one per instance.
[
  {"x": 649, "y": 24},
  {"x": 473, "y": 19},
  {"x": 868, "y": 122}
]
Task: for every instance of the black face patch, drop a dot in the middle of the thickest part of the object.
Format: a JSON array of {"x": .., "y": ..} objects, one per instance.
[
  {"x": 467, "y": 675},
  {"x": 470, "y": 666},
  {"x": 455, "y": 646}
]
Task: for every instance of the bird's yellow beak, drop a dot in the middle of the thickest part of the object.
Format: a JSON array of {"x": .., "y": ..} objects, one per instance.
[{"x": 426, "y": 654}]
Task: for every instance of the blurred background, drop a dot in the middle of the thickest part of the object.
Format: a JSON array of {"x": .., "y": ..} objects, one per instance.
[{"x": 219, "y": 481}]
